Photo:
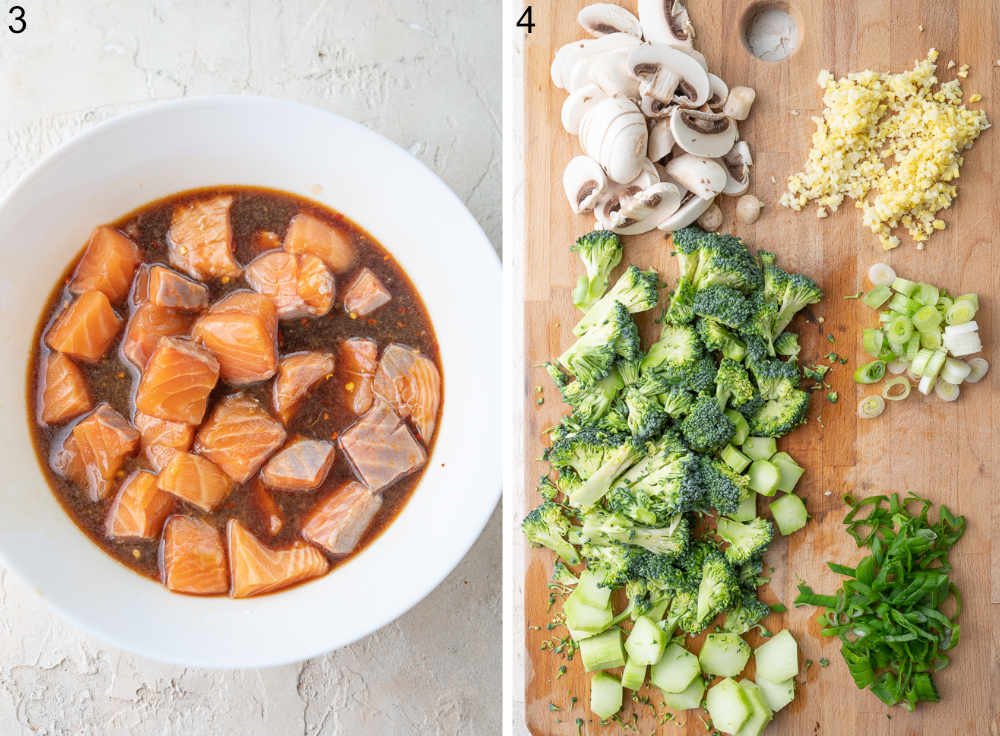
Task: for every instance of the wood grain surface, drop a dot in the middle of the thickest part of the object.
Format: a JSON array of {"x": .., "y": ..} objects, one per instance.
[{"x": 947, "y": 452}]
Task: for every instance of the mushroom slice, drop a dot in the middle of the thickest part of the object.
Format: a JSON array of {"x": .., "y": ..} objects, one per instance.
[
  {"x": 737, "y": 164},
  {"x": 661, "y": 140},
  {"x": 655, "y": 109},
  {"x": 697, "y": 56},
  {"x": 597, "y": 120},
  {"x": 666, "y": 74},
  {"x": 567, "y": 56},
  {"x": 609, "y": 71},
  {"x": 666, "y": 21},
  {"x": 577, "y": 104},
  {"x": 692, "y": 207},
  {"x": 613, "y": 132},
  {"x": 701, "y": 176},
  {"x": 584, "y": 182},
  {"x": 601, "y": 19},
  {"x": 643, "y": 211},
  {"x": 718, "y": 94},
  {"x": 706, "y": 134}
]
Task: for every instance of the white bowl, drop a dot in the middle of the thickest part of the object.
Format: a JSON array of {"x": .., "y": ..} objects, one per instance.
[{"x": 134, "y": 159}]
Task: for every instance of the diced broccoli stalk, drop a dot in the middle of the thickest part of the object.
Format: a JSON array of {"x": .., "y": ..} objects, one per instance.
[
  {"x": 636, "y": 290},
  {"x": 732, "y": 384},
  {"x": 778, "y": 417},
  {"x": 706, "y": 428},
  {"x": 677, "y": 349},
  {"x": 723, "y": 303},
  {"x": 546, "y": 525},
  {"x": 600, "y": 251},
  {"x": 593, "y": 355},
  {"x": 745, "y": 539}
]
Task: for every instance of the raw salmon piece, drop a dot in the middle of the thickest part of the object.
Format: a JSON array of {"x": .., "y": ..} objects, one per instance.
[
  {"x": 242, "y": 333},
  {"x": 258, "y": 569},
  {"x": 192, "y": 558},
  {"x": 297, "y": 374},
  {"x": 63, "y": 393},
  {"x": 356, "y": 364},
  {"x": 302, "y": 465},
  {"x": 264, "y": 240},
  {"x": 146, "y": 326},
  {"x": 339, "y": 521},
  {"x": 178, "y": 378},
  {"x": 107, "y": 265},
  {"x": 194, "y": 479},
  {"x": 86, "y": 328},
  {"x": 411, "y": 383},
  {"x": 200, "y": 239},
  {"x": 315, "y": 285},
  {"x": 365, "y": 294},
  {"x": 102, "y": 440},
  {"x": 299, "y": 286},
  {"x": 65, "y": 460},
  {"x": 266, "y": 506},
  {"x": 239, "y": 436},
  {"x": 167, "y": 288},
  {"x": 139, "y": 509},
  {"x": 307, "y": 234},
  {"x": 160, "y": 439},
  {"x": 381, "y": 447}
]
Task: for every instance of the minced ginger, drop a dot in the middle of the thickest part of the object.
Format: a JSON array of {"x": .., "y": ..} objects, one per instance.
[{"x": 894, "y": 134}]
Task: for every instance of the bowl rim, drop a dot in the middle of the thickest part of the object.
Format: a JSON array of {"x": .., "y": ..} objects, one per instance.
[{"x": 483, "y": 244}]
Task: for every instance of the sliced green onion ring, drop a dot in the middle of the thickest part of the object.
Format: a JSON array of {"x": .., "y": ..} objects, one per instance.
[
  {"x": 870, "y": 372},
  {"x": 955, "y": 371},
  {"x": 961, "y": 311},
  {"x": 935, "y": 363},
  {"x": 920, "y": 362},
  {"x": 926, "y": 384},
  {"x": 890, "y": 394},
  {"x": 946, "y": 391},
  {"x": 904, "y": 286},
  {"x": 912, "y": 348},
  {"x": 926, "y": 294},
  {"x": 871, "y": 406},
  {"x": 898, "y": 331},
  {"x": 930, "y": 340},
  {"x": 927, "y": 319},
  {"x": 980, "y": 367},
  {"x": 897, "y": 366},
  {"x": 881, "y": 274},
  {"x": 877, "y": 296},
  {"x": 873, "y": 339}
]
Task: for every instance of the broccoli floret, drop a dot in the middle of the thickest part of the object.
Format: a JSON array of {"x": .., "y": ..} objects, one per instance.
[
  {"x": 663, "y": 571},
  {"x": 562, "y": 577},
  {"x": 592, "y": 402},
  {"x": 677, "y": 401},
  {"x": 686, "y": 242},
  {"x": 680, "y": 312},
  {"x": 706, "y": 428},
  {"x": 751, "y": 575},
  {"x": 778, "y": 417},
  {"x": 615, "y": 461},
  {"x": 547, "y": 526},
  {"x": 600, "y": 251},
  {"x": 668, "y": 473},
  {"x": 670, "y": 539},
  {"x": 745, "y": 539},
  {"x": 646, "y": 417},
  {"x": 639, "y": 506},
  {"x": 723, "y": 487},
  {"x": 582, "y": 451},
  {"x": 723, "y": 303},
  {"x": 787, "y": 344},
  {"x": 800, "y": 291},
  {"x": 775, "y": 282},
  {"x": 592, "y": 356},
  {"x": 699, "y": 377},
  {"x": 716, "y": 336},
  {"x": 548, "y": 490},
  {"x": 724, "y": 260},
  {"x": 732, "y": 384},
  {"x": 559, "y": 378},
  {"x": 816, "y": 373},
  {"x": 765, "y": 257},
  {"x": 774, "y": 377},
  {"x": 760, "y": 322},
  {"x": 636, "y": 290},
  {"x": 677, "y": 349},
  {"x": 717, "y": 591},
  {"x": 748, "y": 612},
  {"x": 609, "y": 561}
]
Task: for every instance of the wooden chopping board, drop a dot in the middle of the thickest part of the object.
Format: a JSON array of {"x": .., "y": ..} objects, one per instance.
[{"x": 947, "y": 452}]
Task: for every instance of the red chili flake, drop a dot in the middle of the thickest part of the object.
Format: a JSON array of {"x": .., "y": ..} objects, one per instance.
[
  {"x": 442, "y": 465},
  {"x": 401, "y": 310},
  {"x": 325, "y": 415},
  {"x": 121, "y": 374},
  {"x": 399, "y": 324},
  {"x": 335, "y": 435},
  {"x": 303, "y": 321},
  {"x": 371, "y": 320},
  {"x": 385, "y": 258}
]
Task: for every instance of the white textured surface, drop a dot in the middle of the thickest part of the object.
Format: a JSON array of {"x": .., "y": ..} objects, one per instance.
[{"x": 426, "y": 75}]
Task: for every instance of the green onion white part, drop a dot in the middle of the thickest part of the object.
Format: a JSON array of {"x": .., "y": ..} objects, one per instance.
[{"x": 881, "y": 274}]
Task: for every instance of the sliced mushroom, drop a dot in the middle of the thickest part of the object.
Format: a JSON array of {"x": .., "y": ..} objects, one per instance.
[
  {"x": 706, "y": 134},
  {"x": 666, "y": 21},
  {"x": 691, "y": 208},
  {"x": 598, "y": 118},
  {"x": 584, "y": 182},
  {"x": 666, "y": 74},
  {"x": 738, "y": 103},
  {"x": 607, "y": 210},
  {"x": 697, "y": 56},
  {"x": 567, "y": 56},
  {"x": 577, "y": 104},
  {"x": 613, "y": 132},
  {"x": 601, "y": 19},
  {"x": 661, "y": 140},
  {"x": 737, "y": 164},
  {"x": 718, "y": 95},
  {"x": 609, "y": 71},
  {"x": 655, "y": 109},
  {"x": 643, "y": 211},
  {"x": 702, "y": 176}
]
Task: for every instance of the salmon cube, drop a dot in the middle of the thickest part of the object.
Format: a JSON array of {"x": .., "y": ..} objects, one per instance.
[
  {"x": 139, "y": 509},
  {"x": 107, "y": 265},
  {"x": 101, "y": 442},
  {"x": 339, "y": 521},
  {"x": 315, "y": 285},
  {"x": 297, "y": 374},
  {"x": 62, "y": 390},
  {"x": 160, "y": 439},
  {"x": 146, "y": 326},
  {"x": 381, "y": 447},
  {"x": 86, "y": 328},
  {"x": 167, "y": 288},
  {"x": 239, "y": 436},
  {"x": 357, "y": 360},
  {"x": 365, "y": 294},
  {"x": 264, "y": 240},
  {"x": 194, "y": 479},
  {"x": 302, "y": 465},
  {"x": 192, "y": 557},
  {"x": 256, "y": 568},
  {"x": 200, "y": 239},
  {"x": 410, "y": 382},
  {"x": 271, "y": 518},
  {"x": 242, "y": 334},
  {"x": 177, "y": 381},
  {"x": 299, "y": 286},
  {"x": 307, "y": 234}
]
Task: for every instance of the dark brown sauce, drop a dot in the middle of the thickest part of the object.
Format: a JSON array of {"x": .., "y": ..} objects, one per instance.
[{"x": 321, "y": 415}]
